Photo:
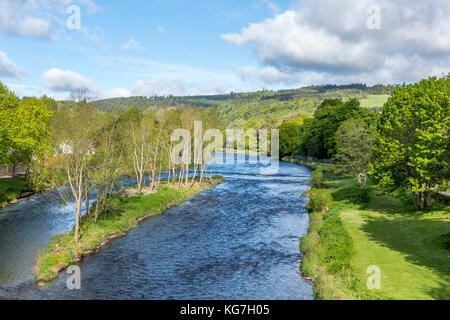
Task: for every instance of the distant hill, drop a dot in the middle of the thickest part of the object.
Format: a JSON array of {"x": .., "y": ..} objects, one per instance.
[{"x": 263, "y": 106}]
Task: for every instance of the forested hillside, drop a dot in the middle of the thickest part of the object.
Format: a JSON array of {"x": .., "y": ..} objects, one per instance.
[{"x": 264, "y": 108}]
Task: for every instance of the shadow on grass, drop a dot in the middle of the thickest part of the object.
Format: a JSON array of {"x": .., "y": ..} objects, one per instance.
[
  {"x": 440, "y": 293},
  {"x": 416, "y": 240}
]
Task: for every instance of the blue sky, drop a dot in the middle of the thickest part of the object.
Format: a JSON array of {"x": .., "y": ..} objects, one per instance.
[{"x": 206, "y": 47}]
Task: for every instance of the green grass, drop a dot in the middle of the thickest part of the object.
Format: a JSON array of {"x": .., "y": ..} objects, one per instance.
[
  {"x": 9, "y": 193},
  {"x": 63, "y": 251},
  {"x": 374, "y": 101},
  {"x": 364, "y": 227}
]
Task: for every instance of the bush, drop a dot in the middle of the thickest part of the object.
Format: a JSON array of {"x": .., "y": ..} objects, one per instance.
[
  {"x": 316, "y": 179},
  {"x": 319, "y": 200}
]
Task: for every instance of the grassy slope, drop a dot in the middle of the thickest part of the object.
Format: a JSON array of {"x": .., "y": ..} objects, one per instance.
[
  {"x": 127, "y": 212},
  {"x": 9, "y": 193},
  {"x": 384, "y": 232},
  {"x": 374, "y": 100}
]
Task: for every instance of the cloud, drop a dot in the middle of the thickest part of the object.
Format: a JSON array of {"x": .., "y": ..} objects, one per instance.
[
  {"x": 162, "y": 30},
  {"x": 96, "y": 36},
  {"x": 131, "y": 45},
  {"x": 17, "y": 18},
  {"x": 326, "y": 39},
  {"x": 32, "y": 17},
  {"x": 115, "y": 93},
  {"x": 65, "y": 81},
  {"x": 9, "y": 68},
  {"x": 150, "y": 88},
  {"x": 267, "y": 3}
]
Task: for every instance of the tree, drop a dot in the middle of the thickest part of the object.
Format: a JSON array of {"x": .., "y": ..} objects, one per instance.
[
  {"x": 290, "y": 131},
  {"x": 354, "y": 149},
  {"x": 75, "y": 138},
  {"x": 24, "y": 129},
  {"x": 411, "y": 147},
  {"x": 319, "y": 133}
]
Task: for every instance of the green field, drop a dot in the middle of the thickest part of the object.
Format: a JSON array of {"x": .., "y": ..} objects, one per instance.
[
  {"x": 374, "y": 101},
  {"x": 366, "y": 228}
]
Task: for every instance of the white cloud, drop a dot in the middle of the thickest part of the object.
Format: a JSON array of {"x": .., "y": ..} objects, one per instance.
[
  {"x": 67, "y": 80},
  {"x": 17, "y": 17},
  {"x": 150, "y": 88},
  {"x": 162, "y": 30},
  {"x": 115, "y": 93},
  {"x": 32, "y": 17},
  {"x": 96, "y": 35},
  {"x": 329, "y": 40},
  {"x": 131, "y": 45},
  {"x": 9, "y": 68}
]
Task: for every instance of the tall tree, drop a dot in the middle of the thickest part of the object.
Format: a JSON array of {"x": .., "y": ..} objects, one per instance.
[
  {"x": 354, "y": 149},
  {"x": 411, "y": 148}
]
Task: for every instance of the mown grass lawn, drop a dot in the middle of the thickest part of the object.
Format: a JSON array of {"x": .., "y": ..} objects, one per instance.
[{"x": 410, "y": 248}]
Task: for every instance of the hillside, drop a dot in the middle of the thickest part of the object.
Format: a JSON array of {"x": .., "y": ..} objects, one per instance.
[{"x": 268, "y": 107}]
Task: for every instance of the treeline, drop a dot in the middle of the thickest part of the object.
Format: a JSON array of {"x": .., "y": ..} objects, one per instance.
[
  {"x": 406, "y": 147},
  {"x": 264, "y": 106}
]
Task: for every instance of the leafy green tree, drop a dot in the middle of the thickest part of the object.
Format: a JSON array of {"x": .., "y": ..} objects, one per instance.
[
  {"x": 8, "y": 105},
  {"x": 354, "y": 149},
  {"x": 411, "y": 146},
  {"x": 290, "y": 131},
  {"x": 319, "y": 133},
  {"x": 24, "y": 130}
]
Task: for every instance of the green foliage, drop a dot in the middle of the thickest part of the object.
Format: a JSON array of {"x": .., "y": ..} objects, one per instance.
[
  {"x": 10, "y": 192},
  {"x": 289, "y": 132},
  {"x": 354, "y": 149},
  {"x": 316, "y": 178},
  {"x": 267, "y": 108},
  {"x": 319, "y": 200},
  {"x": 319, "y": 133},
  {"x": 411, "y": 148}
]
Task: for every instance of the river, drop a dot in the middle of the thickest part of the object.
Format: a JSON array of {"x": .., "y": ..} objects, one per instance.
[{"x": 239, "y": 240}]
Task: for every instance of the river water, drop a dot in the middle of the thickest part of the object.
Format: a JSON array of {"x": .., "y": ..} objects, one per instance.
[{"x": 239, "y": 240}]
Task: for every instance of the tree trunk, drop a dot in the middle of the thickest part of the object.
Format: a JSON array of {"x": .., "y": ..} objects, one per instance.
[
  {"x": 88, "y": 198},
  {"x": 211, "y": 172},
  {"x": 77, "y": 220},
  {"x": 13, "y": 174},
  {"x": 414, "y": 195},
  {"x": 365, "y": 179},
  {"x": 429, "y": 199},
  {"x": 359, "y": 179}
]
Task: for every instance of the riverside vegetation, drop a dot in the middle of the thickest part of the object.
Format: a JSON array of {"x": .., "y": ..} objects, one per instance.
[
  {"x": 126, "y": 209},
  {"x": 381, "y": 203}
]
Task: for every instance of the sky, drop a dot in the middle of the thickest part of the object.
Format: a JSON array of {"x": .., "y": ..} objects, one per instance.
[{"x": 118, "y": 48}]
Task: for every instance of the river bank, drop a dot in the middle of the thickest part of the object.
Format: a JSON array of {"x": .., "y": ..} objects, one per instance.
[
  {"x": 128, "y": 212},
  {"x": 365, "y": 228},
  {"x": 10, "y": 194}
]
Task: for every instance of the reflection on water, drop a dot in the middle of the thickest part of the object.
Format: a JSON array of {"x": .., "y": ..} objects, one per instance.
[{"x": 237, "y": 241}]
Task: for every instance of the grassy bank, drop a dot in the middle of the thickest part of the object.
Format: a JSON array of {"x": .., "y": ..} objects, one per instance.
[
  {"x": 364, "y": 227},
  {"x": 127, "y": 212},
  {"x": 9, "y": 194}
]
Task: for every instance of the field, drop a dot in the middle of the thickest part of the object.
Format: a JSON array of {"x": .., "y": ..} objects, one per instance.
[
  {"x": 372, "y": 229},
  {"x": 374, "y": 101}
]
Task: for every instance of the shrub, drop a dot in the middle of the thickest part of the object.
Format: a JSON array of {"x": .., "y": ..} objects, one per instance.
[
  {"x": 319, "y": 200},
  {"x": 316, "y": 179}
]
